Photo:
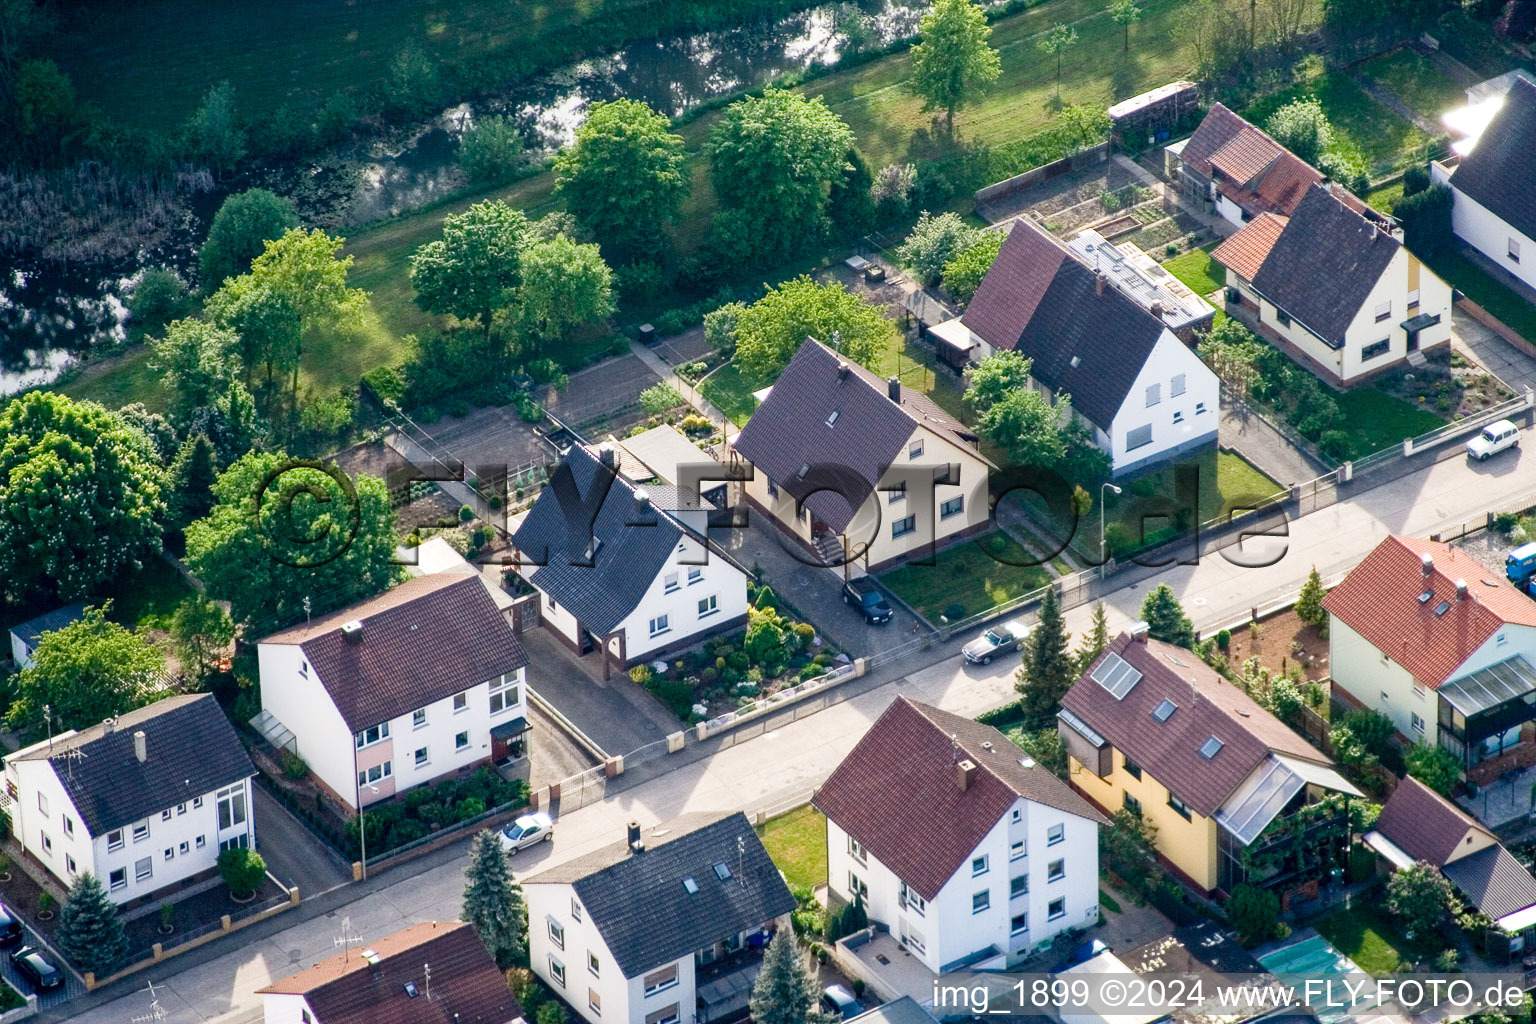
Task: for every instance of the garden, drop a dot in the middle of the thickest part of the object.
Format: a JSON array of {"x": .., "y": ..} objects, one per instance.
[
  {"x": 1367, "y": 136},
  {"x": 1414, "y": 79},
  {"x": 797, "y": 842},
  {"x": 1196, "y": 270},
  {"x": 968, "y": 577}
]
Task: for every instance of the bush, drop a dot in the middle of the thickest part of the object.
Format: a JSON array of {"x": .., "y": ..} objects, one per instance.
[
  {"x": 387, "y": 383},
  {"x": 1224, "y": 639},
  {"x": 158, "y": 297},
  {"x": 1253, "y": 912},
  {"x": 933, "y": 242},
  {"x": 242, "y": 871},
  {"x": 294, "y": 766},
  {"x": 492, "y": 150}
]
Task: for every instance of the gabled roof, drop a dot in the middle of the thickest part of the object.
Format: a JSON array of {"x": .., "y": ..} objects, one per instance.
[
  {"x": 358, "y": 988},
  {"x": 1495, "y": 882},
  {"x": 1216, "y": 130},
  {"x": 1379, "y": 599},
  {"x": 1425, "y": 825},
  {"x": 31, "y": 631},
  {"x": 1041, "y": 301},
  {"x": 1204, "y": 706},
  {"x": 1246, "y": 251},
  {"x": 426, "y": 639},
  {"x": 1499, "y": 172},
  {"x": 907, "y": 760},
  {"x": 642, "y": 906},
  {"x": 192, "y": 751},
  {"x": 1252, "y": 169},
  {"x": 844, "y": 456}
]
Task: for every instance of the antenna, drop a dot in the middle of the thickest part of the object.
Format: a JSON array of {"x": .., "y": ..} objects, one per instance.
[
  {"x": 346, "y": 940},
  {"x": 48, "y": 721},
  {"x": 306, "y": 610},
  {"x": 426, "y": 970},
  {"x": 73, "y": 755},
  {"x": 156, "y": 1011}
]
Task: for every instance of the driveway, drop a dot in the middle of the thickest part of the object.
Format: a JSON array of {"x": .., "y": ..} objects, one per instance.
[
  {"x": 1496, "y": 355},
  {"x": 293, "y": 855},
  {"x": 1256, "y": 439},
  {"x": 617, "y": 714}
]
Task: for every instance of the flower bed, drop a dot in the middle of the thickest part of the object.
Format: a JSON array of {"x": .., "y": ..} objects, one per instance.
[{"x": 425, "y": 809}]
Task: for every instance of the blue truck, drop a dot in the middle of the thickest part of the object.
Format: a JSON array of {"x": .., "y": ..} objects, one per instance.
[{"x": 1520, "y": 567}]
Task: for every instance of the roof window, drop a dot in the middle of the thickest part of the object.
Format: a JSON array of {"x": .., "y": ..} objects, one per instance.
[
  {"x": 1210, "y": 748},
  {"x": 1165, "y": 710},
  {"x": 721, "y": 871}
]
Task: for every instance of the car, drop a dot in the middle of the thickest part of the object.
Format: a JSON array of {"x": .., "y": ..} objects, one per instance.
[
  {"x": 997, "y": 640},
  {"x": 837, "y": 1001},
  {"x": 1495, "y": 438},
  {"x": 527, "y": 830},
  {"x": 10, "y": 928},
  {"x": 867, "y": 598},
  {"x": 39, "y": 971}
]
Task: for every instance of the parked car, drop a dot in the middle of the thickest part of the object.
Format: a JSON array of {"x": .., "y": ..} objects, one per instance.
[
  {"x": 866, "y": 597},
  {"x": 10, "y": 928},
  {"x": 839, "y": 1002},
  {"x": 1520, "y": 564},
  {"x": 39, "y": 971},
  {"x": 1495, "y": 438},
  {"x": 997, "y": 640},
  {"x": 527, "y": 830}
]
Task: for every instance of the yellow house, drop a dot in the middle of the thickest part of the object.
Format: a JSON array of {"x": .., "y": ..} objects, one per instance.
[{"x": 1152, "y": 729}]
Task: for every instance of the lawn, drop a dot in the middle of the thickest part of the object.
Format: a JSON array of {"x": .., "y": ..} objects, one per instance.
[
  {"x": 1487, "y": 291},
  {"x": 797, "y": 842},
  {"x": 118, "y": 381},
  {"x": 1196, "y": 270},
  {"x": 975, "y": 575},
  {"x": 1385, "y": 197},
  {"x": 1227, "y": 482},
  {"x": 731, "y": 391},
  {"x": 1371, "y": 939},
  {"x": 1375, "y": 420},
  {"x": 1416, "y": 81},
  {"x": 1362, "y": 128}
]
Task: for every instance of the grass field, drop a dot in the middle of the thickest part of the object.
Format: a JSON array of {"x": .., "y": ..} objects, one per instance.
[
  {"x": 1371, "y": 939},
  {"x": 797, "y": 842},
  {"x": 1196, "y": 270},
  {"x": 1375, "y": 420},
  {"x": 974, "y": 575},
  {"x": 1362, "y": 128},
  {"x": 1416, "y": 81},
  {"x": 1488, "y": 292}
]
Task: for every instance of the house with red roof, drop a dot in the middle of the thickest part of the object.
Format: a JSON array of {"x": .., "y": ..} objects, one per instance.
[
  {"x": 1237, "y": 170},
  {"x": 1443, "y": 646}
]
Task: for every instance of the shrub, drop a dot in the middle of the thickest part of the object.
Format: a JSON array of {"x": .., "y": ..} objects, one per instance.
[
  {"x": 466, "y": 514},
  {"x": 933, "y": 242},
  {"x": 1224, "y": 639},
  {"x": 459, "y": 407},
  {"x": 242, "y": 871},
  {"x": 158, "y": 297},
  {"x": 293, "y": 765},
  {"x": 1504, "y": 523},
  {"x": 1253, "y": 912},
  {"x": 492, "y": 150}
]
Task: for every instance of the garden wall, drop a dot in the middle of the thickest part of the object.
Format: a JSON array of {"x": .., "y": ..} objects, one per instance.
[{"x": 1019, "y": 182}]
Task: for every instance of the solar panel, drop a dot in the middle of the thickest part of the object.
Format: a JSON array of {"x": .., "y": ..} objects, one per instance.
[
  {"x": 1116, "y": 675},
  {"x": 1210, "y": 748},
  {"x": 1165, "y": 710}
]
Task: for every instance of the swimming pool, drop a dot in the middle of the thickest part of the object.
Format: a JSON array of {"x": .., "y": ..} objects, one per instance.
[{"x": 1314, "y": 956}]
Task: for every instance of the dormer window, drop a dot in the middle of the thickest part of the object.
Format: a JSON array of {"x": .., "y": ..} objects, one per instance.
[{"x": 802, "y": 471}]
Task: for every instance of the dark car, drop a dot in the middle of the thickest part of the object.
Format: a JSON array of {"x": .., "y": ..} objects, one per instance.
[
  {"x": 10, "y": 927},
  {"x": 866, "y": 597},
  {"x": 31, "y": 964},
  {"x": 839, "y": 1003}
]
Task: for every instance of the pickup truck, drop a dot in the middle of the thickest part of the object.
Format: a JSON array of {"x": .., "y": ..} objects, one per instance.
[{"x": 866, "y": 597}]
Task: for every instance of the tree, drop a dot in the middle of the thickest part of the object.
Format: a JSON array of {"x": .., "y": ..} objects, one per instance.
[
  {"x": 785, "y": 992},
  {"x": 660, "y": 398},
  {"x": 84, "y": 672},
  {"x": 1012, "y": 413},
  {"x": 159, "y": 296},
  {"x": 202, "y": 632},
  {"x": 773, "y": 159},
  {"x": 953, "y": 64},
  {"x": 1254, "y": 913},
  {"x": 245, "y": 223},
  {"x": 196, "y": 361},
  {"x": 565, "y": 285},
  {"x": 1231, "y": 351},
  {"x": 967, "y": 268},
  {"x": 1048, "y": 670},
  {"x": 1053, "y": 41},
  {"x": 214, "y": 133},
  {"x": 192, "y": 477},
  {"x": 1302, "y": 127},
  {"x": 1096, "y": 640},
  {"x": 1426, "y": 220},
  {"x": 230, "y": 424},
  {"x": 269, "y": 329},
  {"x": 771, "y": 330},
  {"x": 1165, "y": 617},
  {"x": 493, "y": 902},
  {"x": 851, "y": 204},
  {"x": 624, "y": 141},
  {"x": 476, "y": 267},
  {"x": 933, "y": 242},
  {"x": 1125, "y": 13},
  {"x": 491, "y": 150},
  {"x": 242, "y": 870},
  {"x": 90, "y": 932},
  {"x": 153, "y": 425},
  {"x": 1436, "y": 767},
  {"x": 1309, "y": 603},
  {"x": 81, "y": 496},
  {"x": 1420, "y": 897},
  {"x": 305, "y": 268},
  {"x": 1129, "y": 849}
]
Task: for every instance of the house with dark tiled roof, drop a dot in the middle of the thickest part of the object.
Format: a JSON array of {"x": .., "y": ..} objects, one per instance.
[
  {"x": 421, "y": 681},
  {"x": 1144, "y": 393},
  {"x": 969, "y": 852},
  {"x": 1443, "y": 646},
  {"x": 1237, "y": 170},
  {"x": 143, "y": 801},
  {"x": 859, "y": 468},
  {"x": 25, "y": 637},
  {"x": 1333, "y": 288},
  {"x": 1153, "y": 729},
  {"x": 624, "y": 565},
  {"x": 435, "y": 972},
  {"x": 665, "y": 926}
]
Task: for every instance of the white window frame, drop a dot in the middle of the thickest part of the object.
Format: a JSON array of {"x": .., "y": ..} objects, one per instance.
[
  {"x": 367, "y": 738},
  {"x": 421, "y": 757},
  {"x": 141, "y": 832},
  {"x": 1057, "y": 833},
  {"x": 556, "y": 970},
  {"x": 953, "y": 507},
  {"x": 501, "y": 687},
  {"x": 1056, "y": 915},
  {"x": 915, "y": 449},
  {"x": 232, "y": 804},
  {"x": 1056, "y": 870},
  {"x": 117, "y": 879},
  {"x": 669, "y": 582},
  {"x": 660, "y": 625},
  {"x": 419, "y": 718},
  {"x": 709, "y": 605},
  {"x": 1017, "y": 850},
  {"x": 1383, "y": 311},
  {"x": 461, "y": 741},
  {"x": 1512, "y": 248},
  {"x": 980, "y": 865},
  {"x": 981, "y": 902}
]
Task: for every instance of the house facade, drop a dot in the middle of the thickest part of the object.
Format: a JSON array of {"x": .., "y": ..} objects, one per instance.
[
  {"x": 665, "y": 927},
  {"x": 422, "y": 681},
  {"x": 25, "y": 637},
  {"x": 145, "y": 802},
  {"x": 1011, "y": 859},
  {"x": 1238, "y": 171},
  {"x": 1442, "y": 646}
]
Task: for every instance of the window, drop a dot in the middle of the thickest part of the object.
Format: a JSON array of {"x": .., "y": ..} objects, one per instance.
[
  {"x": 1055, "y": 871},
  {"x": 856, "y": 850},
  {"x": 669, "y": 582},
  {"x": 557, "y": 971},
  {"x": 170, "y": 853},
  {"x": 42, "y": 803},
  {"x": 665, "y": 1015},
  {"x": 856, "y": 887},
  {"x": 575, "y": 909},
  {"x": 504, "y": 693},
  {"x": 913, "y": 901},
  {"x": 1282, "y": 317},
  {"x": 461, "y": 702},
  {"x": 1019, "y": 924},
  {"x": 658, "y": 980},
  {"x": 1417, "y": 723},
  {"x": 708, "y": 605},
  {"x": 978, "y": 865},
  {"x": 184, "y": 849},
  {"x": 47, "y": 844},
  {"x": 236, "y": 842},
  {"x": 595, "y": 1001},
  {"x": 981, "y": 901},
  {"x": 461, "y": 742},
  {"x": 118, "y": 878},
  {"x": 695, "y": 575},
  {"x": 422, "y": 757},
  {"x": 1413, "y": 299},
  {"x": 1017, "y": 815},
  {"x": 115, "y": 839},
  {"x": 1055, "y": 834},
  {"x": 181, "y": 808},
  {"x": 1498, "y": 641},
  {"x": 1384, "y": 697},
  {"x": 69, "y": 864},
  {"x": 1016, "y": 850},
  {"x": 1376, "y": 349},
  {"x": 915, "y": 449},
  {"x": 202, "y": 841},
  {"x": 1178, "y": 416},
  {"x": 165, "y": 815},
  {"x": 1056, "y": 909},
  {"x": 1132, "y": 804},
  {"x": 366, "y": 738},
  {"x": 592, "y": 963},
  {"x": 143, "y": 868},
  {"x": 1018, "y": 885},
  {"x": 902, "y": 527},
  {"x": 374, "y": 774},
  {"x": 1176, "y": 386},
  {"x": 69, "y": 825},
  {"x": 1132, "y": 769},
  {"x": 952, "y": 507},
  {"x": 659, "y": 625},
  {"x": 1179, "y": 806},
  {"x": 773, "y": 489},
  {"x": 556, "y": 933},
  {"x": 419, "y": 718},
  {"x": 231, "y": 807},
  {"x": 1154, "y": 394},
  {"x": 897, "y": 494},
  {"x": 1210, "y": 748},
  {"x": 1199, "y": 408},
  {"x": 141, "y": 832},
  {"x": 1513, "y": 249},
  {"x": 197, "y": 802},
  {"x": 832, "y": 417},
  {"x": 1139, "y": 437},
  {"x": 1384, "y": 311}
]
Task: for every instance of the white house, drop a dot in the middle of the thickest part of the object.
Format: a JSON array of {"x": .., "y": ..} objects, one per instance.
[
  {"x": 1334, "y": 289},
  {"x": 419, "y": 682},
  {"x": 143, "y": 801},
  {"x": 1145, "y": 394},
  {"x": 434, "y": 972},
  {"x": 666, "y": 926},
  {"x": 25, "y": 637},
  {"x": 625, "y": 568},
  {"x": 969, "y": 852},
  {"x": 1238, "y": 169}
]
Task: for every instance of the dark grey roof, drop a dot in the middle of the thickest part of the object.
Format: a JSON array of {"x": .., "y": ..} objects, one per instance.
[
  {"x": 905, "y": 1010},
  {"x": 1324, "y": 265},
  {"x": 639, "y": 903},
  {"x": 30, "y": 631},
  {"x": 1499, "y": 172},
  {"x": 1494, "y": 881},
  {"x": 1041, "y": 301},
  {"x": 192, "y": 750}
]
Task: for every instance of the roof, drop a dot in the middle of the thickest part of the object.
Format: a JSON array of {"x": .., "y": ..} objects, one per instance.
[
  {"x": 192, "y": 751},
  {"x": 905, "y": 1010},
  {"x": 1245, "y": 251},
  {"x": 1379, "y": 599},
  {"x": 427, "y": 639},
  {"x": 1040, "y": 301},
  {"x": 31, "y": 631},
  {"x": 662, "y": 450},
  {"x": 1205, "y": 706},
  {"x": 639, "y": 902},
  {"x": 436, "y": 555},
  {"x": 1251, "y": 168},
  {"x": 1499, "y": 172},
  {"x": 1424, "y": 824},
  {"x": 1495, "y": 882},
  {"x": 356, "y": 988},
  {"x": 1324, "y": 265},
  {"x": 844, "y": 456},
  {"x": 907, "y": 759}
]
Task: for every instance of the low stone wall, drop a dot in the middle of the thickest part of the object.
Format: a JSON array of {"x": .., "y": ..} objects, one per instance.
[
  {"x": 1494, "y": 324},
  {"x": 1035, "y": 175}
]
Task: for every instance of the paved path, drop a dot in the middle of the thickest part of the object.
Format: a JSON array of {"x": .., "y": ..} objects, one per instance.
[
  {"x": 692, "y": 395},
  {"x": 1257, "y": 440},
  {"x": 293, "y": 855},
  {"x": 1506, "y": 362}
]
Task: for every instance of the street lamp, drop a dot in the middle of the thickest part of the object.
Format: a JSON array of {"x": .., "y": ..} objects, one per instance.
[
  {"x": 362, "y": 825},
  {"x": 1107, "y": 486}
]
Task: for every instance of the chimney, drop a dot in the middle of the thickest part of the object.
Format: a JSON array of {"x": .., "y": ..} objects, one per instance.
[
  {"x": 1157, "y": 308},
  {"x": 608, "y": 454},
  {"x": 107, "y": 724},
  {"x": 893, "y": 389},
  {"x": 632, "y": 833},
  {"x": 642, "y": 501},
  {"x": 1370, "y": 227},
  {"x": 352, "y": 632},
  {"x": 842, "y": 370},
  {"x": 140, "y": 746},
  {"x": 965, "y": 771},
  {"x": 1140, "y": 631},
  {"x": 1461, "y": 590},
  {"x": 1099, "y": 281},
  {"x": 1426, "y": 565}
]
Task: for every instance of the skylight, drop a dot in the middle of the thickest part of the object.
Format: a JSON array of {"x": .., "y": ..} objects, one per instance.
[
  {"x": 691, "y": 886},
  {"x": 800, "y": 473},
  {"x": 1165, "y": 710},
  {"x": 1440, "y": 609},
  {"x": 832, "y": 419},
  {"x": 1116, "y": 675},
  {"x": 1210, "y": 748},
  {"x": 410, "y": 989},
  {"x": 721, "y": 871},
  {"x": 1424, "y": 597}
]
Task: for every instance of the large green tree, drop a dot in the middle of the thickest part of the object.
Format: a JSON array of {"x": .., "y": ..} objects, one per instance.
[
  {"x": 626, "y": 142},
  {"x": 1165, "y": 617},
  {"x": 1049, "y": 669},
  {"x": 245, "y": 223},
  {"x": 197, "y": 362},
  {"x": 769, "y": 331},
  {"x": 475, "y": 269},
  {"x": 90, "y": 932},
  {"x": 1012, "y": 413},
  {"x": 493, "y": 902},
  {"x": 967, "y": 268},
  {"x": 954, "y": 63},
  {"x": 268, "y": 329},
  {"x": 192, "y": 476},
  {"x": 81, "y": 496},
  {"x": 1420, "y": 897},
  {"x": 1302, "y": 127},
  {"x": 84, "y": 672},
  {"x": 1125, "y": 13},
  {"x": 202, "y": 633},
  {"x": 933, "y": 242},
  {"x": 1096, "y": 640},
  {"x": 565, "y": 284},
  {"x": 785, "y": 992}
]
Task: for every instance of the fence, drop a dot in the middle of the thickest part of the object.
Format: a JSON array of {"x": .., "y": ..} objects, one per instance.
[
  {"x": 1520, "y": 506},
  {"x": 201, "y": 936}
]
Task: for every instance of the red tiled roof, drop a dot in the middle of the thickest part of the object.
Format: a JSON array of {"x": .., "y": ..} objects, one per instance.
[
  {"x": 1286, "y": 182},
  {"x": 1244, "y": 252},
  {"x": 1219, "y": 127},
  {"x": 1248, "y": 155},
  {"x": 1257, "y": 173},
  {"x": 1422, "y": 823},
  {"x": 1379, "y": 599}
]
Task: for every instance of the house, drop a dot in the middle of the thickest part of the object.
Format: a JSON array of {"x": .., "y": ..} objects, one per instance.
[
  {"x": 1147, "y": 397},
  {"x": 856, "y": 467},
  {"x": 1334, "y": 289},
  {"x": 1154, "y": 730},
  {"x": 1419, "y": 825},
  {"x": 972, "y": 855},
  {"x": 1237, "y": 170},
  {"x": 25, "y": 637},
  {"x": 623, "y": 568},
  {"x": 144, "y": 802},
  {"x": 1493, "y": 187},
  {"x": 666, "y": 926},
  {"x": 1145, "y": 282},
  {"x": 432, "y": 665},
  {"x": 1444, "y": 647},
  {"x": 664, "y": 455},
  {"x": 434, "y": 972},
  {"x": 435, "y": 555}
]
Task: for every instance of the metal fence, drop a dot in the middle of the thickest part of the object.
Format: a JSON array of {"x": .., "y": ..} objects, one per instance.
[{"x": 192, "y": 934}]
